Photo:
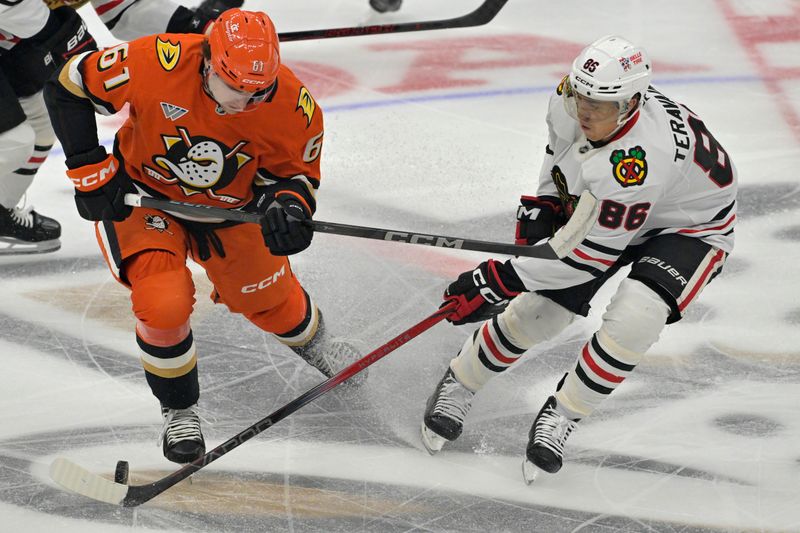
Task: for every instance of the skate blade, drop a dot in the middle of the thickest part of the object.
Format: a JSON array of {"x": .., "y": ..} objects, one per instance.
[
  {"x": 529, "y": 471},
  {"x": 17, "y": 247},
  {"x": 432, "y": 441}
]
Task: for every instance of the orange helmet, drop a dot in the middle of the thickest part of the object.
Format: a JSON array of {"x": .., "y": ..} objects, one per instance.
[{"x": 244, "y": 50}]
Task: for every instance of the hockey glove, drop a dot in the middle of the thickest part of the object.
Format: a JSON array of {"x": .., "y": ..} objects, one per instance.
[
  {"x": 35, "y": 59},
  {"x": 197, "y": 20},
  {"x": 99, "y": 189},
  {"x": 482, "y": 293},
  {"x": 284, "y": 226},
  {"x": 538, "y": 218}
]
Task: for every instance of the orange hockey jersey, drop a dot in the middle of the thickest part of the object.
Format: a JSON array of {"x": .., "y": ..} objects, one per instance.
[{"x": 176, "y": 144}]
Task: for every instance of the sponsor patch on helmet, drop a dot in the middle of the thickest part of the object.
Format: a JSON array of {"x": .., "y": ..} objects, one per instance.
[
  {"x": 307, "y": 104},
  {"x": 168, "y": 53},
  {"x": 630, "y": 169}
]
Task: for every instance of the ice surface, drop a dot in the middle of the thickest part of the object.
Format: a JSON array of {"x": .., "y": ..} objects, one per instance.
[{"x": 441, "y": 132}]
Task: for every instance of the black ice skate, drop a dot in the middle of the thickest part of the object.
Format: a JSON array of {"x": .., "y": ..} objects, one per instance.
[
  {"x": 547, "y": 438},
  {"x": 27, "y": 232},
  {"x": 181, "y": 436},
  {"x": 445, "y": 412},
  {"x": 385, "y": 6}
]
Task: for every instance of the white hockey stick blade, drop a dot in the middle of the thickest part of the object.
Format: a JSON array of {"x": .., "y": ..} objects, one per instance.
[
  {"x": 529, "y": 471},
  {"x": 77, "y": 479},
  {"x": 580, "y": 223}
]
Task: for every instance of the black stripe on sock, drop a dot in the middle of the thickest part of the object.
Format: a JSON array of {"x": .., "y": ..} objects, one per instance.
[
  {"x": 589, "y": 383},
  {"x": 166, "y": 352},
  {"x": 619, "y": 365},
  {"x": 487, "y": 364},
  {"x": 507, "y": 344}
]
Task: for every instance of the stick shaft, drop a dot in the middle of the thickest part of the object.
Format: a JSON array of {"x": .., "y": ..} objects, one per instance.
[
  {"x": 482, "y": 15},
  {"x": 543, "y": 251},
  {"x": 138, "y": 494}
]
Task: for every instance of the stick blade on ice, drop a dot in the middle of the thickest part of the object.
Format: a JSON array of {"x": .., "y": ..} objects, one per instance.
[{"x": 77, "y": 479}]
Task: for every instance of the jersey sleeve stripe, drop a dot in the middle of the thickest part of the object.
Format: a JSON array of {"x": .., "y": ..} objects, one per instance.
[
  {"x": 715, "y": 229},
  {"x": 108, "y": 6},
  {"x": 600, "y": 248},
  {"x": 724, "y": 212},
  {"x": 580, "y": 266},
  {"x": 588, "y": 257}
]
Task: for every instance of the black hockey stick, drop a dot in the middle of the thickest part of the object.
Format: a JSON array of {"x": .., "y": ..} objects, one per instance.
[
  {"x": 485, "y": 13},
  {"x": 77, "y": 479},
  {"x": 564, "y": 241}
]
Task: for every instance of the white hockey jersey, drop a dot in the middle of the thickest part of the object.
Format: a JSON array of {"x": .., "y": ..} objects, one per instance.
[
  {"x": 128, "y": 19},
  {"x": 662, "y": 173}
]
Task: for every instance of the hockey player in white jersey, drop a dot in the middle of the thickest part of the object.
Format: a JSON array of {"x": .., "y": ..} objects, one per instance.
[
  {"x": 667, "y": 195},
  {"x": 36, "y": 38}
]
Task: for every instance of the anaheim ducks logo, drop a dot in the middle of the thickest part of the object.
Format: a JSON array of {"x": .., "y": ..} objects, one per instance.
[
  {"x": 630, "y": 169},
  {"x": 168, "y": 53},
  {"x": 307, "y": 104},
  {"x": 198, "y": 164},
  {"x": 157, "y": 223}
]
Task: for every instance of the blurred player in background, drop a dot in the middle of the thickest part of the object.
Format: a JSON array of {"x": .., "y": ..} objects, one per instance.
[
  {"x": 215, "y": 120},
  {"x": 35, "y": 39},
  {"x": 667, "y": 195}
]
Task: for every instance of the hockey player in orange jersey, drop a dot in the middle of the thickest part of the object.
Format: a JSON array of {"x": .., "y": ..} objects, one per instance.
[{"x": 214, "y": 120}]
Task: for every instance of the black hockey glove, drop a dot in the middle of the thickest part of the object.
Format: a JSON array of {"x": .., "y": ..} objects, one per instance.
[
  {"x": 99, "y": 186},
  {"x": 196, "y": 20},
  {"x": 35, "y": 59},
  {"x": 538, "y": 218},
  {"x": 284, "y": 226},
  {"x": 483, "y": 292},
  {"x": 287, "y": 206}
]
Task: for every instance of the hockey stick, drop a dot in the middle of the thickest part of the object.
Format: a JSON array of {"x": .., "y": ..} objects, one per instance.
[
  {"x": 564, "y": 241},
  {"x": 77, "y": 479},
  {"x": 485, "y": 13}
]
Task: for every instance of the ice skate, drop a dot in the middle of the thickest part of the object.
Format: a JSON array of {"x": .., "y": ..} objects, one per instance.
[
  {"x": 331, "y": 356},
  {"x": 445, "y": 412},
  {"x": 385, "y": 6},
  {"x": 547, "y": 438},
  {"x": 181, "y": 436},
  {"x": 24, "y": 231}
]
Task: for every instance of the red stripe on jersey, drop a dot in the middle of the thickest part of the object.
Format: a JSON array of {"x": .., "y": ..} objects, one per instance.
[
  {"x": 493, "y": 347},
  {"x": 108, "y": 7},
  {"x": 723, "y": 226},
  {"x": 596, "y": 368},
  {"x": 702, "y": 281},
  {"x": 36, "y": 160},
  {"x": 588, "y": 257}
]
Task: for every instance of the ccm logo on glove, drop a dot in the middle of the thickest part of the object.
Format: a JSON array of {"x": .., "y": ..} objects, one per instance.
[{"x": 92, "y": 177}]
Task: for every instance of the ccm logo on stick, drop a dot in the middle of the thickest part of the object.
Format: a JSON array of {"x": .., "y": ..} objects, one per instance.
[
  {"x": 264, "y": 283},
  {"x": 416, "y": 238}
]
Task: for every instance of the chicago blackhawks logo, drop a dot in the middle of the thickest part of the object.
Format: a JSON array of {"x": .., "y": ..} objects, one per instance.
[
  {"x": 630, "y": 169},
  {"x": 198, "y": 164},
  {"x": 158, "y": 223}
]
